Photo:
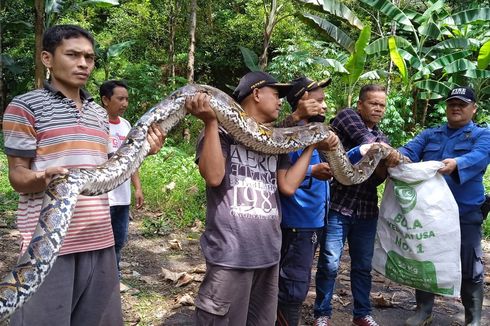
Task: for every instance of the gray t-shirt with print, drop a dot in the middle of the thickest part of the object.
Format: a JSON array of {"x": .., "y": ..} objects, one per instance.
[{"x": 243, "y": 214}]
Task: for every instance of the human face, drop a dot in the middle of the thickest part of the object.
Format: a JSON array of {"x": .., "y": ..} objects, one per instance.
[
  {"x": 372, "y": 108},
  {"x": 269, "y": 104},
  {"x": 459, "y": 113},
  {"x": 117, "y": 104},
  {"x": 71, "y": 64}
]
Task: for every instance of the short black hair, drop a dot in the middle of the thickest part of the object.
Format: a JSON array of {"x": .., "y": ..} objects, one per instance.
[
  {"x": 107, "y": 87},
  {"x": 53, "y": 36},
  {"x": 370, "y": 88}
]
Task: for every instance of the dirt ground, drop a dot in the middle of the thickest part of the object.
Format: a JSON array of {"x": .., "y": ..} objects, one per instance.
[{"x": 163, "y": 274}]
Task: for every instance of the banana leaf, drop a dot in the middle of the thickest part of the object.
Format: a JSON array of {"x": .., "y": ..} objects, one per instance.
[
  {"x": 398, "y": 59},
  {"x": 468, "y": 16},
  {"x": 339, "y": 36},
  {"x": 338, "y": 9},
  {"x": 459, "y": 65},
  {"x": 381, "y": 44},
  {"x": 392, "y": 11},
  {"x": 357, "y": 60},
  {"x": 433, "y": 86},
  {"x": 484, "y": 56},
  {"x": 250, "y": 58}
]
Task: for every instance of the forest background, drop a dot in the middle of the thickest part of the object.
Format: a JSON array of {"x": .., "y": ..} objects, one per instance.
[{"x": 418, "y": 49}]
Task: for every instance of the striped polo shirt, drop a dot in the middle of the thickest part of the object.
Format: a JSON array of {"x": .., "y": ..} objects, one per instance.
[{"x": 47, "y": 127}]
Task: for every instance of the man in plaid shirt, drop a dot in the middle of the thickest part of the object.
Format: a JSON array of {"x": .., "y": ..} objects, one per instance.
[{"x": 353, "y": 212}]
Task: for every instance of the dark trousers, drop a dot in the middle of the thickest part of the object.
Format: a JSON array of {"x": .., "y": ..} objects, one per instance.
[
  {"x": 297, "y": 253},
  {"x": 81, "y": 289}
]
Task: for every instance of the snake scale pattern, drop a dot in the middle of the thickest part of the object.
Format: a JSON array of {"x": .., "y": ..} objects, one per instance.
[{"x": 62, "y": 193}]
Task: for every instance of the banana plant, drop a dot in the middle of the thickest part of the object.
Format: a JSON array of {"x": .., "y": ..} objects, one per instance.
[
  {"x": 53, "y": 9},
  {"x": 437, "y": 53},
  {"x": 352, "y": 69},
  {"x": 105, "y": 56},
  {"x": 356, "y": 62}
]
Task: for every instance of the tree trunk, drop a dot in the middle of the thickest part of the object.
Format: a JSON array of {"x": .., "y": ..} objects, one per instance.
[
  {"x": 390, "y": 69},
  {"x": 192, "y": 46},
  {"x": 3, "y": 98},
  {"x": 171, "y": 40},
  {"x": 424, "y": 113},
  {"x": 414, "y": 107},
  {"x": 38, "y": 39},
  {"x": 270, "y": 22}
]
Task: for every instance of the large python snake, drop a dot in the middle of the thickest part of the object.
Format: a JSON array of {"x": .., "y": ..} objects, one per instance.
[{"x": 62, "y": 192}]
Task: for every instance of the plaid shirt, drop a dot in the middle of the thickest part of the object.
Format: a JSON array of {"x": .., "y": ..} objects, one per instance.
[{"x": 357, "y": 200}]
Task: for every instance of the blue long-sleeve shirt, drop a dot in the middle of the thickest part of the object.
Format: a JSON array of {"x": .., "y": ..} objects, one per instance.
[
  {"x": 469, "y": 146},
  {"x": 306, "y": 207}
]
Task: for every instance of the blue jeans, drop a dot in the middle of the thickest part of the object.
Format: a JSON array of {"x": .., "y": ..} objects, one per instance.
[
  {"x": 360, "y": 234},
  {"x": 120, "y": 224}
]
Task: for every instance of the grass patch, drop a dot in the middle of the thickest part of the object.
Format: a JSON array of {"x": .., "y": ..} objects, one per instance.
[
  {"x": 486, "y": 223},
  {"x": 172, "y": 186},
  {"x": 8, "y": 197}
]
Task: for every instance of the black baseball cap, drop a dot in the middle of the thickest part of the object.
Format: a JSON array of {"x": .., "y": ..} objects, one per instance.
[
  {"x": 258, "y": 79},
  {"x": 302, "y": 85},
  {"x": 465, "y": 94}
]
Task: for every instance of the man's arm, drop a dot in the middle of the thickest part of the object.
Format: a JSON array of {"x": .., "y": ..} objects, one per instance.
[
  {"x": 465, "y": 167},
  {"x": 288, "y": 180},
  {"x": 25, "y": 180},
  {"x": 211, "y": 159},
  {"x": 139, "y": 199}
]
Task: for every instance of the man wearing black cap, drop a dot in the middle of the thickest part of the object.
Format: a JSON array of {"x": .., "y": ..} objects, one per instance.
[
  {"x": 242, "y": 239},
  {"x": 464, "y": 149},
  {"x": 303, "y": 214}
]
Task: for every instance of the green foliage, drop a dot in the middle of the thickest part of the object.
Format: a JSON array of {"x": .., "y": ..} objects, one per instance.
[
  {"x": 172, "y": 186},
  {"x": 486, "y": 224},
  {"x": 8, "y": 197},
  {"x": 396, "y": 118}
]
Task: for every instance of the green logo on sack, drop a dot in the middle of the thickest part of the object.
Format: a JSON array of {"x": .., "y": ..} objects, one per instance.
[
  {"x": 405, "y": 194},
  {"x": 418, "y": 274}
]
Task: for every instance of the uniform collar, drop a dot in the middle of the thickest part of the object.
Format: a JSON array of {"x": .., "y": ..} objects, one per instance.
[{"x": 465, "y": 129}]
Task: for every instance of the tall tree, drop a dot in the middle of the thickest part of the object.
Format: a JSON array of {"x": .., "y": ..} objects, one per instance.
[
  {"x": 47, "y": 12},
  {"x": 192, "y": 45},
  {"x": 172, "y": 21},
  {"x": 38, "y": 32}
]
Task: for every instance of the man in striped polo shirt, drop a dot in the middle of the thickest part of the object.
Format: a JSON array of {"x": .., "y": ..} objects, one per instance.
[{"x": 47, "y": 131}]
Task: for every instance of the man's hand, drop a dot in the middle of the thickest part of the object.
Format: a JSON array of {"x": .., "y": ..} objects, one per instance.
[
  {"x": 328, "y": 144},
  {"x": 138, "y": 198},
  {"x": 199, "y": 107},
  {"x": 307, "y": 108},
  {"x": 321, "y": 171},
  {"x": 450, "y": 165},
  {"x": 394, "y": 158},
  {"x": 156, "y": 138}
]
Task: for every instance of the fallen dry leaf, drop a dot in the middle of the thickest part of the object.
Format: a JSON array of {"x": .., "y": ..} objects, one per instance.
[
  {"x": 175, "y": 244},
  {"x": 379, "y": 300},
  {"x": 186, "y": 300}
]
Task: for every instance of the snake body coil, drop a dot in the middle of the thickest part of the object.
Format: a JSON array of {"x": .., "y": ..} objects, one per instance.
[{"x": 62, "y": 193}]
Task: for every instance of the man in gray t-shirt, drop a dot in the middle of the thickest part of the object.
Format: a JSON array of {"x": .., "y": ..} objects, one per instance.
[
  {"x": 242, "y": 239},
  {"x": 243, "y": 213}
]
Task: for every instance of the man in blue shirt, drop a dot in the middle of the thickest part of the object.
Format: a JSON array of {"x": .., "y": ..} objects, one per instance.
[
  {"x": 303, "y": 213},
  {"x": 464, "y": 149}
]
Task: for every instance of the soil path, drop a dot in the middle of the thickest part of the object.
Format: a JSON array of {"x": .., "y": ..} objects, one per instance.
[{"x": 163, "y": 274}]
